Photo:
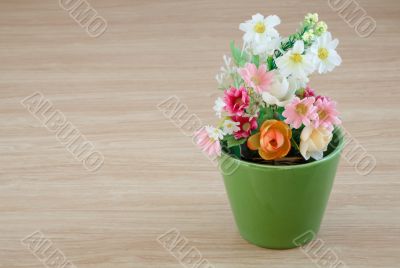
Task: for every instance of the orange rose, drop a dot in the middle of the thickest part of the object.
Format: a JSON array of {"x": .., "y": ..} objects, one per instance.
[{"x": 273, "y": 140}]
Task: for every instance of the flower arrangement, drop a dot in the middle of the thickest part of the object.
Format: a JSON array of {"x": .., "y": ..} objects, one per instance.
[{"x": 268, "y": 112}]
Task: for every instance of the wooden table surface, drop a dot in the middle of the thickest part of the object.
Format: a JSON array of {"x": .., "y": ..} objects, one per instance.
[{"x": 153, "y": 178}]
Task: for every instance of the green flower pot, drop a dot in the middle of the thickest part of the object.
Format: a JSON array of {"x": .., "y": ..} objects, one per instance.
[{"x": 279, "y": 206}]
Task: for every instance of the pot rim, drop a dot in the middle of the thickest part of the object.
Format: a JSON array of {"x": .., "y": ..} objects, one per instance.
[{"x": 339, "y": 134}]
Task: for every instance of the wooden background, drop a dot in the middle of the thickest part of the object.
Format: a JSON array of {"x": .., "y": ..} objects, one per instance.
[{"x": 153, "y": 178}]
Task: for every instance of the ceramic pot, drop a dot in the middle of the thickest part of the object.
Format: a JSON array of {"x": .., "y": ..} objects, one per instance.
[{"x": 280, "y": 206}]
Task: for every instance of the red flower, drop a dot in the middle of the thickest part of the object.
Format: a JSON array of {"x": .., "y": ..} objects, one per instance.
[
  {"x": 236, "y": 100},
  {"x": 247, "y": 124},
  {"x": 308, "y": 92}
]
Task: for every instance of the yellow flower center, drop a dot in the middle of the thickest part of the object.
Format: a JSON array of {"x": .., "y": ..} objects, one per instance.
[
  {"x": 323, "y": 53},
  {"x": 301, "y": 109},
  {"x": 322, "y": 115},
  {"x": 246, "y": 126},
  {"x": 238, "y": 101},
  {"x": 296, "y": 57},
  {"x": 256, "y": 80},
  {"x": 259, "y": 27}
]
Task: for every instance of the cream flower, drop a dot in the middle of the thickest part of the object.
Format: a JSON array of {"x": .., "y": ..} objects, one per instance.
[
  {"x": 308, "y": 36},
  {"x": 229, "y": 127},
  {"x": 279, "y": 92},
  {"x": 324, "y": 54},
  {"x": 314, "y": 141},
  {"x": 321, "y": 28},
  {"x": 258, "y": 28},
  {"x": 295, "y": 63},
  {"x": 311, "y": 18}
]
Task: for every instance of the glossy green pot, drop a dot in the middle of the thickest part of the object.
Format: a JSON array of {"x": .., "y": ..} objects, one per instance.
[{"x": 276, "y": 206}]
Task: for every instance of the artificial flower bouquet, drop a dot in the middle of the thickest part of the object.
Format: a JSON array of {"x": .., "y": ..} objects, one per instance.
[{"x": 269, "y": 113}]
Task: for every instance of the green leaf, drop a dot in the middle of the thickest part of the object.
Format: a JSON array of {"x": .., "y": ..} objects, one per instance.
[
  {"x": 236, "y": 83},
  {"x": 238, "y": 56},
  {"x": 271, "y": 63},
  {"x": 296, "y": 133},
  {"x": 278, "y": 113},
  {"x": 265, "y": 114},
  {"x": 248, "y": 154},
  {"x": 256, "y": 60},
  {"x": 231, "y": 141},
  {"x": 235, "y": 150}
]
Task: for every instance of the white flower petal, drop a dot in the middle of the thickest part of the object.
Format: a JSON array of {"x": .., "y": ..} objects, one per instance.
[
  {"x": 245, "y": 27},
  {"x": 334, "y": 58},
  {"x": 272, "y": 32},
  {"x": 298, "y": 47},
  {"x": 272, "y": 21},
  {"x": 317, "y": 155},
  {"x": 314, "y": 141},
  {"x": 306, "y": 133},
  {"x": 333, "y": 44},
  {"x": 257, "y": 17}
]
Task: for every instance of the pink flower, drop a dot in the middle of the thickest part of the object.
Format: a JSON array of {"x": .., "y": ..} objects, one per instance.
[
  {"x": 236, "y": 101},
  {"x": 207, "y": 138},
  {"x": 327, "y": 113},
  {"x": 308, "y": 92},
  {"x": 259, "y": 79},
  {"x": 321, "y": 97},
  {"x": 247, "y": 124},
  {"x": 300, "y": 112}
]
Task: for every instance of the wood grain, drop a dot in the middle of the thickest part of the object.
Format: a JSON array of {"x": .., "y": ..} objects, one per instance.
[{"x": 153, "y": 178}]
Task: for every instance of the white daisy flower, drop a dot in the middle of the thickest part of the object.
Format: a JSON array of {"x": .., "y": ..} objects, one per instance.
[
  {"x": 219, "y": 106},
  {"x": 258, "y": 28},
  {"x": 230, "y": 126},
  {"x": 295, "y": 63},
  {"x": 214, "y": 133},
  {"x": 325, "y": 56}
]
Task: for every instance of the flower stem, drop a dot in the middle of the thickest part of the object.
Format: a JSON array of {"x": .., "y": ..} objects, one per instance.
[{"x": 295, "y": 144}]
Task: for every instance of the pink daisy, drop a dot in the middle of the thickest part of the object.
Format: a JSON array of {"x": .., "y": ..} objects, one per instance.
[
  {"x": 327, "y": 113},
  {"x": 300, "y": 112},
  {"x": 259, "y": 79},
  {"x": 236, "y": 101},
  {"x": 247, "y": 124},
  {"x": 321, "y": 97},
  {"x": 207, "y": 138}
]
